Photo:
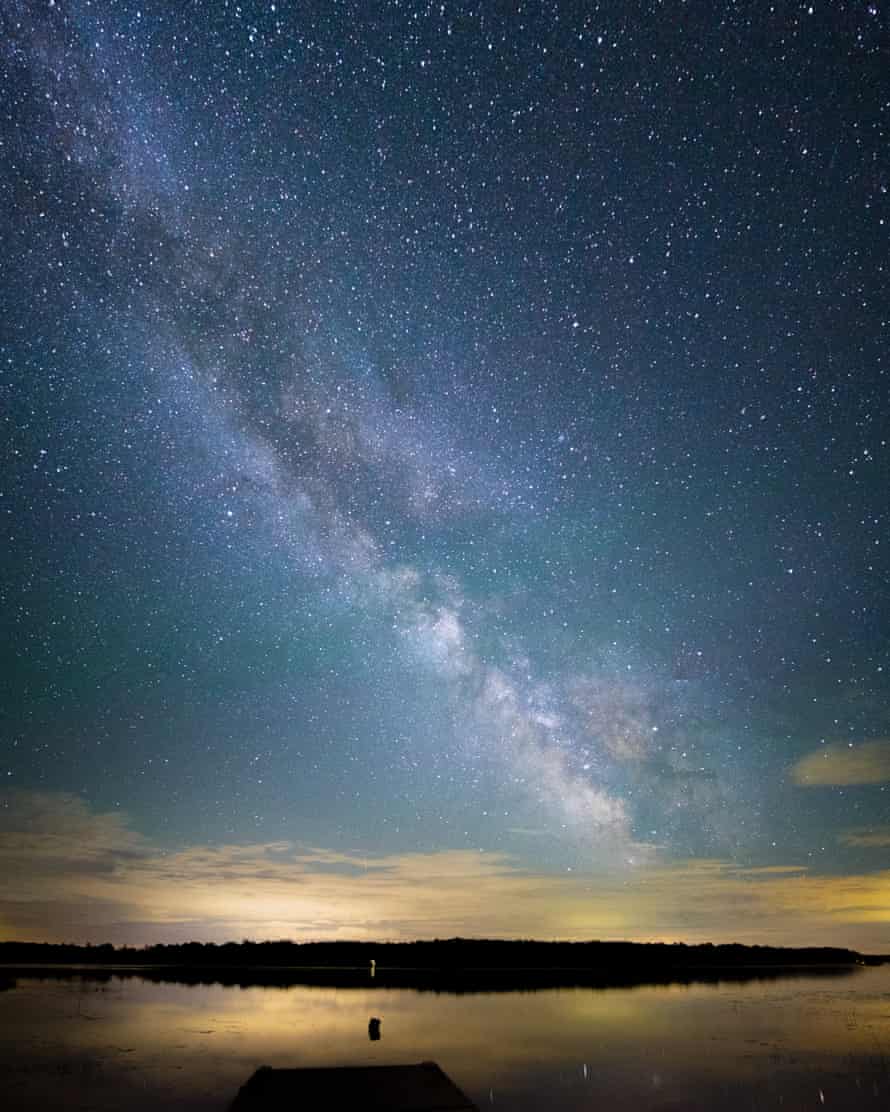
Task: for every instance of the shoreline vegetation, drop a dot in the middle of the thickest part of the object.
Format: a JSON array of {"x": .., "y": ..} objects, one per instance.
[{"x": 453, "y": 965}]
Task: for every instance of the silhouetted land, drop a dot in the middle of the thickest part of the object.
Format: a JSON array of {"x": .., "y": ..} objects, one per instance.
[
  {"x": 452, "y": 965},
  {"x": 452, "y": 953}
]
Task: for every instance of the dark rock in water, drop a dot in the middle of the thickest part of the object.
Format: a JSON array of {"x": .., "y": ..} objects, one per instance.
[{"x": 421, "y": 1088}]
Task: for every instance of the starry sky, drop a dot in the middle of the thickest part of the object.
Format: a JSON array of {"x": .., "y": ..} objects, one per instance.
[{"x": 444, "y": 470}]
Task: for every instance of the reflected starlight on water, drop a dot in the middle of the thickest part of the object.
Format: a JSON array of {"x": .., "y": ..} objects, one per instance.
[{"x": 765, "y": 1043}]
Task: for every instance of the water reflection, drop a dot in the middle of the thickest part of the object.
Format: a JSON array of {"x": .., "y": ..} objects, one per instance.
[
  {"x": 142, "y": 1043},
  {"x": 450, "y": 981}
]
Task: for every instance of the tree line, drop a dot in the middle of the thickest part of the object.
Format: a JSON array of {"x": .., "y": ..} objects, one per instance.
[{"x": 441, "y": 954}]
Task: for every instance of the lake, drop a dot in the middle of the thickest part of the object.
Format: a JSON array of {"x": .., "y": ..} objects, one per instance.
[{"x": 801, "y": 1042}]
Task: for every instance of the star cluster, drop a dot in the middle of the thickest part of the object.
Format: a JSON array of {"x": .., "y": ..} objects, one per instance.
[{"x": 445, "y": 426}]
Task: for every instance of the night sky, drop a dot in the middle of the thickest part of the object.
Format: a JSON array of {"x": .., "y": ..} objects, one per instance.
[{"x": 445, "y": 470}]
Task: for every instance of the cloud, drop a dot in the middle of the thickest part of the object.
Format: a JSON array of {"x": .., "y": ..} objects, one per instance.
[
  {"x": 875, "y": 837},
  {"x": 57, "y": 833},
  {"x": 80, "y": 875},
  {"x": 841, "y": 765}
]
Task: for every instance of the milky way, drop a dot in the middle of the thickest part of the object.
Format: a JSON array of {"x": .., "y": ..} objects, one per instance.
[{"x": 438, "y": 427}]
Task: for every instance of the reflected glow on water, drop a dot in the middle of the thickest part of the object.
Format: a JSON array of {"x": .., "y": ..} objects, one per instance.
[{"x": 788, "y": 1044}]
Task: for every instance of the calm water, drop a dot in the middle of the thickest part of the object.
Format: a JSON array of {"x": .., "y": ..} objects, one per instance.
[{"x": 798, "y": 1043}]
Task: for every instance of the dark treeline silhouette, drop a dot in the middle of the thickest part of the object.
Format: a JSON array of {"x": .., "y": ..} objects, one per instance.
[{"x": 446, "y": 954}]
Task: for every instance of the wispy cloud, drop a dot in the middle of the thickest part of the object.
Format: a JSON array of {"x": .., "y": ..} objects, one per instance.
[
  {"x": 841, "y": 765},
  {"x": 874, "y": 837},
  {"x": 73, "y": 873}
]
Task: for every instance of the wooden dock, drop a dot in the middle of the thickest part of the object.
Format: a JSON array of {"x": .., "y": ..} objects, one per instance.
[{"x": 421, "y": 1088}]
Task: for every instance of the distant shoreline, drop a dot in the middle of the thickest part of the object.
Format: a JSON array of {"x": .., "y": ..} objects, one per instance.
[
  {"x": 457, "y": 963},
  {"x": 451, "y": 966},
  {"x": 136, "y": 967},
  {"x": 428, "y": 953}
]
